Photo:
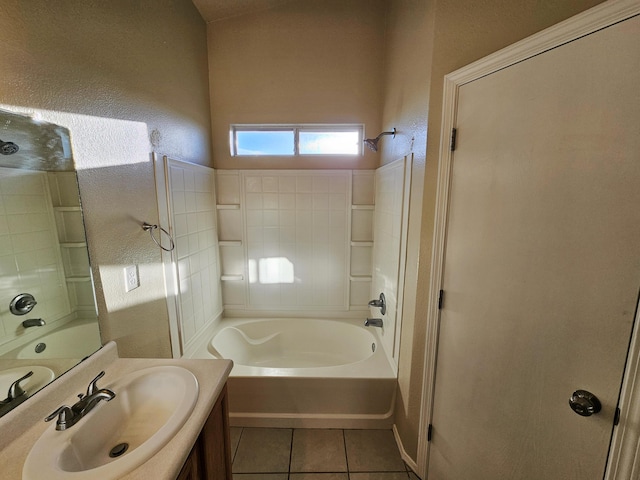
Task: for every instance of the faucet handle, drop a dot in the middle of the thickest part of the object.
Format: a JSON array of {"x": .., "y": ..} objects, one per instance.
[
  {"x": 64, "y": 415},
  {"x": 93, "y": 385},
  {"x": 380, "y": 303},
  {"x": 15, "y": 390}
]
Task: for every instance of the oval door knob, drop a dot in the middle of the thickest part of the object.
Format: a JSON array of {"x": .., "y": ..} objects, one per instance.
[{"x": 584, "y": 403}]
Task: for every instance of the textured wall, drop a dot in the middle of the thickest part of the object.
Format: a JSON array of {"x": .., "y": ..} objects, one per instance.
[
  {"x": 427, "y": 40},
  {"x": 408, "y": 76},
  {"x": 121, "y": 75},
  {"x": 315, "y": 61}
]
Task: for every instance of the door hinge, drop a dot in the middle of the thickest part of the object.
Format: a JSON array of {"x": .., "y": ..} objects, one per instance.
[
  {"x": 440, "y": 299},
  {"x": 454, "y": 135},
  {"x": 616, "y": 417},
  {"x": 429, "y": 432}
]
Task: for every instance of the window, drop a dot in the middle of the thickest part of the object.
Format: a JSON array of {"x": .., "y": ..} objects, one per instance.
[{"x": 264, "y": 140}]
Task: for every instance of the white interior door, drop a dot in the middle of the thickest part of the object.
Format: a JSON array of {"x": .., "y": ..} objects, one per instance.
[{"x": 542, "y": 263}]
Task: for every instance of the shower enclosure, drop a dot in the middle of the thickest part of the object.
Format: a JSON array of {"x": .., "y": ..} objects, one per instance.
[{"x": 253, "y": 246}]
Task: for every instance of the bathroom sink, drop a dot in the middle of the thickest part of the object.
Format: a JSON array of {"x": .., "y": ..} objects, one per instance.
[
  {"x": 41, "y": 377},
  {"x": 150, "y": 406}
]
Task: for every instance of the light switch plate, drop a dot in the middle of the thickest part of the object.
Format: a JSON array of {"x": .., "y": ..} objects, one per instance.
[{"x": 131, "y": 279}]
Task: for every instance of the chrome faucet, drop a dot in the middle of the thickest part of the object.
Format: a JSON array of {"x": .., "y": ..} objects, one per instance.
[
  {"x": 69, "y": 416},
  {"x": 15, "y": 396},
  {"x": 380, "y": 303},
  {"x": 33, "y": 322},
  {"x": 373, "y": 322}
]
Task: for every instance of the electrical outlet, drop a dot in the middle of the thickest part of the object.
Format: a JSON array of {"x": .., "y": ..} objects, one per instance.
[{"x": 131, "y": 280}]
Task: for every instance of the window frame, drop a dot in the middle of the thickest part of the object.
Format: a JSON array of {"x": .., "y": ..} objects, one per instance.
[{"x": 296, "y": 129}]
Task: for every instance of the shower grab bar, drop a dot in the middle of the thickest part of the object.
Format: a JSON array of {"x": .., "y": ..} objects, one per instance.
[{"x": 150, "y": 228}]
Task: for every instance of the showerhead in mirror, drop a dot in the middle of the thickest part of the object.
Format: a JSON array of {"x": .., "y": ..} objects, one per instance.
[{"x": 372, "y": 143}]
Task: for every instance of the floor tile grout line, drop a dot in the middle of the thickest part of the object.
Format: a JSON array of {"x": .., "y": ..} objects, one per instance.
[
  {"x": 290, "y": 453},
  {"x": 346, "y": 457},
  {"x": 235, "y": 450}
]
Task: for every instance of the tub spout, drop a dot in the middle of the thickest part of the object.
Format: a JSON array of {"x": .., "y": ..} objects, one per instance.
[
  {"x": 33, "y": 322},
  {"x": 373, "y": 322}
]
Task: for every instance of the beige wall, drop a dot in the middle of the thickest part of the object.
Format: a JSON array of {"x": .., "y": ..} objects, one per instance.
[
  {"x": 407, "y": 80},
  {"x": 462, "y": 32},
  {"x": 120, "y": 75},
  {"x": 311, "y": 61}
]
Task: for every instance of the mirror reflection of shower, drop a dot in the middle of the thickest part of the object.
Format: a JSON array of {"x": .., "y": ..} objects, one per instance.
[
  {"x": 44, "y": 255},
  {"x": 372, "y": 143}
]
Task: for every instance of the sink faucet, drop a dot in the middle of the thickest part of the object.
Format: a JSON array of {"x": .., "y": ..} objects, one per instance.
[
  {"x": 69, "y": 416},
  {"x": 15, "y": 396},
  {"x": 373, "y": 322}
]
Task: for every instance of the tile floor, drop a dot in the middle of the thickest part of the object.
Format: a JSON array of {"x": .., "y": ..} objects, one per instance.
[{"x": 316, "y": 454}]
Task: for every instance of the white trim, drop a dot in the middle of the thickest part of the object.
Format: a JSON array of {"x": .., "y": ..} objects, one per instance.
[
  {"x": 403, "y": 453},
  {"x": 624, "y": 454},
  {"x": 310, "y": 420},
  {"x": 625, "y": 449},
  {"x": 168, "y": 265}
]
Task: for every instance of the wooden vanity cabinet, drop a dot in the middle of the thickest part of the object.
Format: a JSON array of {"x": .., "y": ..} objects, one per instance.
[{"x": 210, "y": 457}]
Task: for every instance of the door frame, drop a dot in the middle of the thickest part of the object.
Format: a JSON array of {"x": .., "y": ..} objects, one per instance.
[{"x": 624, "y": 453}]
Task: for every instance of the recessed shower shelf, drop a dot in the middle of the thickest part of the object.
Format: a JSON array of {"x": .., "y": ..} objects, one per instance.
[
  {"x": 360, "y": 278},
  {"x": 363, "y": 207},
  {"x": 67, "y": 209},
  {"x": 228, "y": 207},
  {"x": 231, "y": 278},
  {"x": 73, "y": 244},
  {"x": 361, "y": 244},
  {"x": 78, "y": 279},
  {"x": 230, "y": 243}
]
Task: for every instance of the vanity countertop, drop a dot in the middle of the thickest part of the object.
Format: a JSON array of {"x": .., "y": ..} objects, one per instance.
[{"x": 23, "y": 426}]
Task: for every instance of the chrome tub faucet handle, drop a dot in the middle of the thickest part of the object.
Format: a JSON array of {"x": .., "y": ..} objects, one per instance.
[{"x": 380, "y": 303}]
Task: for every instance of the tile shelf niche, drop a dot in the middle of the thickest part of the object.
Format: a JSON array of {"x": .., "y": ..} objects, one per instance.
[
  {"x": 71, "y": 240},
  {"x": 361, "y": 238},
  {"x": 230, "y": 243}
]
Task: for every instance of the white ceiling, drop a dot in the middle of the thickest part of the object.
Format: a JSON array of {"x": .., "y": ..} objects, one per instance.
[{"x": 213, "y": 10}]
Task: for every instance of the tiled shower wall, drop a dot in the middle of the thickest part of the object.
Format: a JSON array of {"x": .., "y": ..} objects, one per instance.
[
  {"x": 295, "y": 240},
  {"x": 389, "y": 234},
  {"x": 192, "y": 218}
]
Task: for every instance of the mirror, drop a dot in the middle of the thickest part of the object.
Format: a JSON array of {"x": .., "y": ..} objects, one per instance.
[{"x": 48, "y": 316}]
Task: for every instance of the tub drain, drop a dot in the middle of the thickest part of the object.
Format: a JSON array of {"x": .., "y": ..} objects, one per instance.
[
  {"x": 40, "y": 347},
  {"x": 373, "y": 347},
  {"x": 118, "y": 450}
]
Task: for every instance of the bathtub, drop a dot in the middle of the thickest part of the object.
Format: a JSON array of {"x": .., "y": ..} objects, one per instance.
[
  {"x": 76, "y": 340},
  {"x": 301, "y": 372}
]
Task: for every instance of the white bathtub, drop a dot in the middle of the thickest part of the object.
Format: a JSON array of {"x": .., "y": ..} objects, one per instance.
[
  {"x": 303, "y": 372},
  {"x": 76, "y": 339}
]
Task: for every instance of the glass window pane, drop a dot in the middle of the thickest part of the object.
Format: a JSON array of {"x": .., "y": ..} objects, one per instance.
[
  {"x": 329, "y": 143},
  {"x": 264, "y": 142}
]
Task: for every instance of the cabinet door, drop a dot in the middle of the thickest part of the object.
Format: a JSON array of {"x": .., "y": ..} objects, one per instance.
[
  {"x": 191, "y": 468},
  {"x": 215, "y": 442}
]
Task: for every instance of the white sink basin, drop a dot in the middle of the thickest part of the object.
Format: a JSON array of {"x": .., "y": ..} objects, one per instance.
[
  {"x": 41, "y": 377},
  {"x": 150, "y": 406}
]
